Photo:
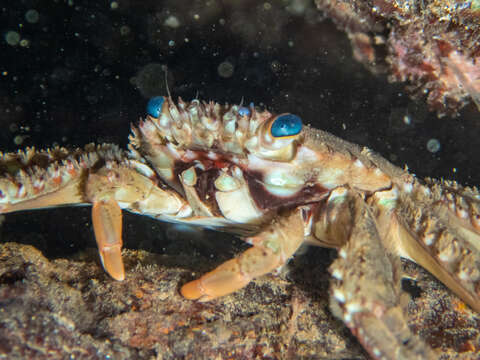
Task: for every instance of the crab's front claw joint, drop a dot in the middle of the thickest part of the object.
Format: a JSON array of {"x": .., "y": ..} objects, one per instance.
[
  {"x": 271, "y": 249},
  {"x": 107, "y": 225}
]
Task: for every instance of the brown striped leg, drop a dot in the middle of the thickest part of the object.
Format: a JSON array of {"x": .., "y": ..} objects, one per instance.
[{"x": 366, "y": 292}]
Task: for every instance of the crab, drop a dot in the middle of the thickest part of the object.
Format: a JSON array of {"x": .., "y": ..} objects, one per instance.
[{"x": 277, "y": 184}]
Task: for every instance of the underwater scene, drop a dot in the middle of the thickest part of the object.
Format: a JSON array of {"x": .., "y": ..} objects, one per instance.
[{"x": 202, "y": 115}]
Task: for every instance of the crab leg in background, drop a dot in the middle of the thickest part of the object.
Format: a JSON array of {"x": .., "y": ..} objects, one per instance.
[{"x": 366, "y": 290}]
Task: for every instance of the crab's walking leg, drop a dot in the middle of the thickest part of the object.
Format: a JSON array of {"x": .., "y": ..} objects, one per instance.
[
  {"x": 107, "y": 225},
  {"x": 366, "y": 291},
  {"x": 271, "y": 249}
]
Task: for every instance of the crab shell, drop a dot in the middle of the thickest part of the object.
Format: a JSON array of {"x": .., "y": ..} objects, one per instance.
[{"x": 239, "y": 164}]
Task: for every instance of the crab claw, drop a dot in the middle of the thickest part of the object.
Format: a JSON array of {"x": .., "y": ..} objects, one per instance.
[
  {"x": 271, "y": 249},
  {"x": 224, "y": 280},
  {"x": 112, "y": 262},
  {"x": 107, "y": 225}
]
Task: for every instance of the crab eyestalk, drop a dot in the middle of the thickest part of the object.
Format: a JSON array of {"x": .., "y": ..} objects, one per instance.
[
  {"x": 277, "y": 137},
  {"x": 155, "y": 106}
]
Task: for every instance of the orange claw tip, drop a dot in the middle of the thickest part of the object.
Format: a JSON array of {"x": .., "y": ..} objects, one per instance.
[
  {"x": 192, "y": 290},
  {"x": 112, "y": 262},
  {"x": 119, "y": 276}
]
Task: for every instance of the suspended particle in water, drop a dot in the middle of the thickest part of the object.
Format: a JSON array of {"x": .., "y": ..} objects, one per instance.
[
  {"x": 124, "y": 30},
  {"x": 276, "y": 66},
  {"x": 172, "y": 21},
  {"x": 433, "y": 145},
  {"x": 12, "y": 38},
  {"x": 13, "y": 127},
  {"x": 226, "y": 69},
  {"x": 18, "y": 140},
  {"x": 297, "y": 7},
  {"x": 32, "y": 16}
]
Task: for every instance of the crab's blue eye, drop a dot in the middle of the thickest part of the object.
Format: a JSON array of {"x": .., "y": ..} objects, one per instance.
[
  {"x": 244, "y": 111},
  {"x": 154, "y": 106},
  {"x": 286, "y": 125}
]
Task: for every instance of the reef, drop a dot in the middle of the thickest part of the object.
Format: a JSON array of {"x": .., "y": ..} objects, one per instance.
[{"x": 433, "y": 46}]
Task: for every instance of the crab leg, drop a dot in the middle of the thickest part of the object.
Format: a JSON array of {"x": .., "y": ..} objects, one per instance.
[
  {"x": 113, "y": 186},
  {"x": 366, "y": 292},
  {"x": 107, "y": 225},
  {"x": 271, "y": 249},
  {"x": 442, "y": 238}
]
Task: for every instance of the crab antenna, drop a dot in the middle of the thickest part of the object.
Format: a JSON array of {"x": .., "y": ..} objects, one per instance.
[{"x": 165, "y": 69}]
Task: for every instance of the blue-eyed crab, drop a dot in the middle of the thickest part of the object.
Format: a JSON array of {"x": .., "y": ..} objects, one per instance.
[{"x": 276, "y": 183}]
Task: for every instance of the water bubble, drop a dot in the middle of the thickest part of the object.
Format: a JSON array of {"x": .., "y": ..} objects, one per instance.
[{"x": 433, "y": 145}]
